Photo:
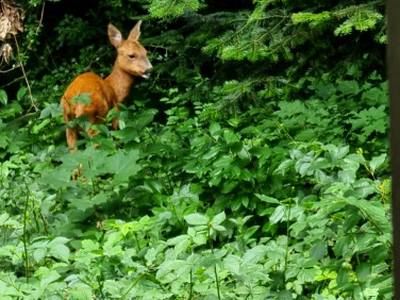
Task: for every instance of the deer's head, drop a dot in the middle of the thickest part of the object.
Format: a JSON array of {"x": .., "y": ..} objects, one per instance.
[{"x": 132, "y": 56}]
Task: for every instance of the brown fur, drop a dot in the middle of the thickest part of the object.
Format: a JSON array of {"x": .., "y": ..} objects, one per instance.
[{"x": 106, "y": 93}]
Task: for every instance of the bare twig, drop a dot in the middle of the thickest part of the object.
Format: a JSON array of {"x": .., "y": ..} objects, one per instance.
[
  {"x": 25, "y": 77},
  {"x": 9, "y": 70}
]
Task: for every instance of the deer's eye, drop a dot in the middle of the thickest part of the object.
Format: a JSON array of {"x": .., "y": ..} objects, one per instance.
[{"x": 132, "y": 56}]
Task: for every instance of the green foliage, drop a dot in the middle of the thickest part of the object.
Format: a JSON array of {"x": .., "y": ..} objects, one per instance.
[
  {"x": 253, "y": 165},
  {"x": 360, "y": 17},
  {"x": 166, "y": 8}
]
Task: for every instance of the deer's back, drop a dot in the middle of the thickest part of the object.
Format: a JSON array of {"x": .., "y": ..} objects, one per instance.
[{"x": 101, "y": 94}]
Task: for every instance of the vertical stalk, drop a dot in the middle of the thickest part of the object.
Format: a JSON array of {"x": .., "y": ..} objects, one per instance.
[
  {"x": 25, "y": 234},
  {"x": 191, "y": 284},
  {"x": 100, "y": 282},
  {"x": 215, "y": 266},
  {"x": 133, "y": 285},
  {"x": 287, "y": 233}
]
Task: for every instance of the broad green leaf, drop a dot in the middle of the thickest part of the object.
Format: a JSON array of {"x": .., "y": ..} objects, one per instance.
[
  {"x": 57, "y": 178},
  {"x": 232, "y": 263},
  {"x": 218, "y": 228},
  {"x": 343, "y": 277},
  {"x": 39, "y": 254},
  {"x": 150, "y": 256},
  {"x": 38, "y": 127},
  {"x": 377, "y": 161},
  {"x": 47, "y": 276},
  {"x": 81, "y": 121},
  {"x": 218, "y": 219},
  {"x": 223, "y": 162},
  {"x": 347, "y": 176},
  {"x": 22, "y": 92},
  {"x": 374, "y": 96},
  {"x": 244, "y": 153},
  {"x": 319, "y": 250},
  {"x": 215, "y": 130},
  {"x": 123, "y": 165},
  {"x": 54, "y": 110},
  {"x": 166, "y": 271},
  {"x": 292, "y": 272},
  {"x": 325, "y": 90},
  {"x": 60, "y": 251},
  {"x": 83, "y": 98},
  {"x": 200, "y": 238},
  {"x": 81, "y": 292},
  {"x": 184, "y": 194},
  {"x": 267, "y": 199},
  {"x": 363, "y": 271},
  {"x": 277, "y": 215},
  {"x": 4, "y": 141},
  {"x": 181, "y": 243},
  {"x": 303, "y": 168},
  {"x": 100, "y": 198},
  {"x": 144, "y": 118},
  {"x": 82, "y": 204},
  {"x": 230, "y": 137},
  {"x": 112, "y": 250},
  {"x": 350, "y": 87},
  {"x": 255, "y": 254},
  {"x": 3, "y": 218},
  {"x": 112, "y": 238},
  {"x": 307, "y": 275},
  {"x": 364, "y": 243},
  {"x": 196, "y": 219},
  {"x": 351, "y": 221},
  {"x": 374, "y": 212},
  {"x": 59, "y": 240},
  {"x": 342, "y": 244},
  {"x": 211, "y": 153},
  {"x": 342, "y": 152},
  {"x": 355, "y": 158},
  {"x": 90, "y": 245},
  {"x": 3, "y": 97}
]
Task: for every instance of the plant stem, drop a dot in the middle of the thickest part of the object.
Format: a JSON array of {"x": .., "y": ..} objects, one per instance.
[
  {"x": 191, "y": 284},
  {"x": 287, "y": 232},
  {"x": 101, "y": 285},
  {"x": 215, "y": 266},
  {"x": 217, "y": 281},
  {"x": 132, "y": 286},
  {"x": 25, "y": 234}
]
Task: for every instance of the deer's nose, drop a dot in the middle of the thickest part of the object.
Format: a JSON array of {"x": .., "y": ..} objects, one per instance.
[{"x": 147, "y": 73}]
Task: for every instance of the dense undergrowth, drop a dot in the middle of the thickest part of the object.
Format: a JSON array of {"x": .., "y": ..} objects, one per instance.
[{"x": 240, "y": 175}]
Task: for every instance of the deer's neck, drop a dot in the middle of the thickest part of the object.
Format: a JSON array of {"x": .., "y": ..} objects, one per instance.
[{"x": 121, "y": 82}]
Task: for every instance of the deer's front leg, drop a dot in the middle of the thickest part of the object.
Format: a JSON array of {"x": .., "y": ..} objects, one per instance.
[
  {"x": 116, "y": 120},
  {"x": 72, "y": 137}
]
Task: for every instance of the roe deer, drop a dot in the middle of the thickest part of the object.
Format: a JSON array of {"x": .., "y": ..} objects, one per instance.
[{"x": 106, "y": 93}]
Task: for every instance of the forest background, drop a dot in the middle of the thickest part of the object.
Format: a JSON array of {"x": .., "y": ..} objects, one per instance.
[{"x": 252, "y": 165}]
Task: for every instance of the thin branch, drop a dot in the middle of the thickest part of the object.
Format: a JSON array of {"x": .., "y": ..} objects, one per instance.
[
  {"x": 25, "y": 77},
  {"x": 11, "y": 82},
  {"x": 9, "y": 70},
  {"x": 38, "y": 26},
  {"x": 41, "y": 17}
]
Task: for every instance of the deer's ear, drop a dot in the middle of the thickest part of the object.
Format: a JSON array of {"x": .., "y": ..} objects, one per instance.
[
  {"x": 135, "y": 32},
  {"x": 114, "y": 35}
]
